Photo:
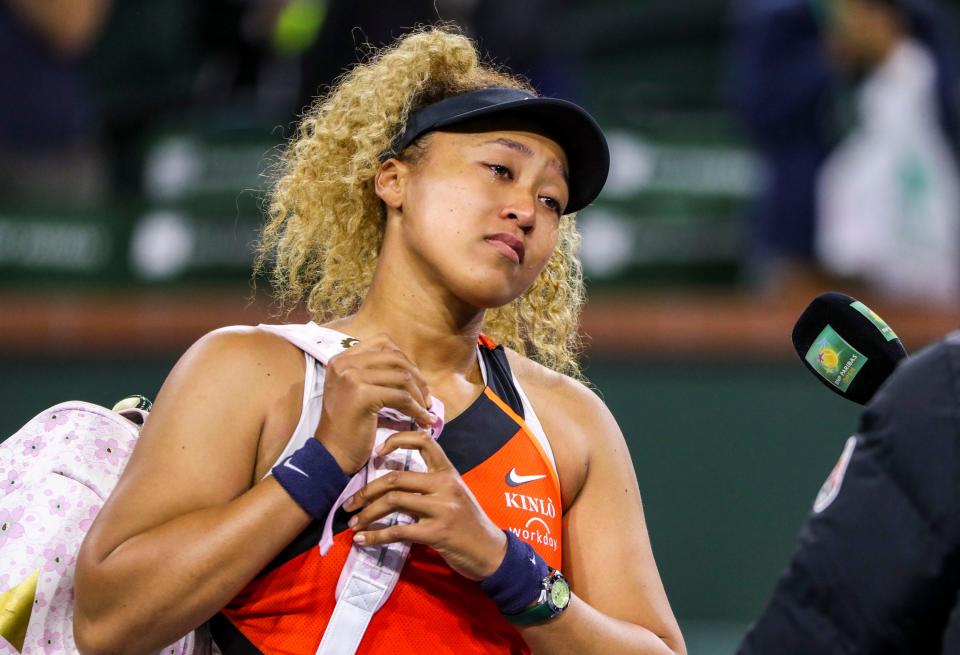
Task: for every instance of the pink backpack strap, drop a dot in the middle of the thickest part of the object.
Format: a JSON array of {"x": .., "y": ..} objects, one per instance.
[
  {"x": 320, "y": 342},
  {"x": 369, "y": 574}
]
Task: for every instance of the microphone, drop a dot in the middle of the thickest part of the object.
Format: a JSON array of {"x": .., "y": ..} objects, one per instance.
[{"x": 846, "y": 345}]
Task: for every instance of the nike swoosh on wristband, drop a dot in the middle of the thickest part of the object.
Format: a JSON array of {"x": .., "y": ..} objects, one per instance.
[
  {"x": 299, "y": 470},
  {"x": 515, "y": 480}
]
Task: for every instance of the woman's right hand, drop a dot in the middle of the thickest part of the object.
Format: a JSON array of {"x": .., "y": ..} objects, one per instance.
[{"x": 359, "y": 382}]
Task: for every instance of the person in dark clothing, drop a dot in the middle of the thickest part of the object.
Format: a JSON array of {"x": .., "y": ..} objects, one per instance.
[
  {"x": 790, "y": 60},
  {"x": 48, "y": 126},
  {"x": 860, "y": 41},
  {"x": 876, "y": 570},
  {"x": 528, "y": 43},
  {"x": 782, "y": 86}
]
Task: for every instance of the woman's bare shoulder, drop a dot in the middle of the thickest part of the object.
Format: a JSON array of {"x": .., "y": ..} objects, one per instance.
[
  {"x": 245, "y": 342},
  {"x": 237, "y": 365},
  {"x": 564, "y": 394},
  {"x": 225, "y": 395},
  {"x": 244, "y": 351}
]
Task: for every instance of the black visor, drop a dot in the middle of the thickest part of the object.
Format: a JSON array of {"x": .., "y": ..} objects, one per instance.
[{"x": 569, "y": 125}]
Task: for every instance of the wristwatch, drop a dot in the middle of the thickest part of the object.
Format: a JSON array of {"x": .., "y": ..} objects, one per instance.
[{"x": 554, "y": 598}]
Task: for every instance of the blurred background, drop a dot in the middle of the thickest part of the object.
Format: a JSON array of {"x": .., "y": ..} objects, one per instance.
[{"x": 762, "y": 151}]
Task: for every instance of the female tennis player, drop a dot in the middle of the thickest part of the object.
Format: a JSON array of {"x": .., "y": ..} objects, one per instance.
[{"x": 426, "y": 211}]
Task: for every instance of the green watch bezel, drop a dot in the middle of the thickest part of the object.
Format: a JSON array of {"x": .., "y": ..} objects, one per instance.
[{"x": 545, "y": 607}]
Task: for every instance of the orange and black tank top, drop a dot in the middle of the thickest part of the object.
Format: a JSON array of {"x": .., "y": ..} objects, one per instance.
[{"x": 286, "y": 608}]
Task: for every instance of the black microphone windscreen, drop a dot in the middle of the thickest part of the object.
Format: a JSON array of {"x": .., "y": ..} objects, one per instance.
[{"x": 846, "y": 345}]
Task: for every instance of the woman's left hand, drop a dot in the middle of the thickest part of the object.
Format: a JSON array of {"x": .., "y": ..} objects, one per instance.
[{"x": 451, "y": 520}]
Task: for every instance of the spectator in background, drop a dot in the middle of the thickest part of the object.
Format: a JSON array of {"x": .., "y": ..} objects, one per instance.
[
  {"x": 349, "y": 24},
  {"x": 889, "y": 196},
  {"x": 272, "y": 57},
  {"x": 783, "y": 90},
  {"x": 525, "y": 42},
  {"x": 48, "y": 143}
]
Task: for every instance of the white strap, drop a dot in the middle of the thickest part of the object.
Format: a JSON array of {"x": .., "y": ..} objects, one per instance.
[
  {"x": 360, "y": 600},
  {"x": 318, "y": 345},
  {"x": 483, "y": 366},
  {"x": 323, "y": 343},
  {"x": 369, "y": 574},
  {"x": 530, "y": 418}
]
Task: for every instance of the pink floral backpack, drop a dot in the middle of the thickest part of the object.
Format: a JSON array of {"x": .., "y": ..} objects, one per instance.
[{"x": 55, "y": 474}]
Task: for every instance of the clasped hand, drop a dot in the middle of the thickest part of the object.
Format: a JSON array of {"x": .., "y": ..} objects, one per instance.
[
  {"x": 361, "y": 381},
  {"x": 451, "y": 520}
]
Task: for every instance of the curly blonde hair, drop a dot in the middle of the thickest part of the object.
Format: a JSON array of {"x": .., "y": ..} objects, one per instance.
[{"x": 326, "y": 224}]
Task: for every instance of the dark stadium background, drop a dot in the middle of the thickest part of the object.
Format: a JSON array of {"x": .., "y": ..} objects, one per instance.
[{"x": 730, "y": 436}]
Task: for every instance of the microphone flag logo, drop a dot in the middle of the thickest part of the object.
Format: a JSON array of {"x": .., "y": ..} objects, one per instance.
[
  {"x": 829, "y": 358},
  {"x": 835, "y": 360},
  {"x": 874, "y": 318}
]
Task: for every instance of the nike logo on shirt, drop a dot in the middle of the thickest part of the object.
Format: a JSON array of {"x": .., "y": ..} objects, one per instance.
[{"x": 515, "y": 480}]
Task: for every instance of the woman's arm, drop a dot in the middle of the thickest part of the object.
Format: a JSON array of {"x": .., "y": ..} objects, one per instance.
[
  {"x": 186, "y": 527},
  {"x": 619, "y": 603}
]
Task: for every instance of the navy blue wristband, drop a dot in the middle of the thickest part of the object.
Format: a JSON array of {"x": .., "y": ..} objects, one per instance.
[
  {"x": 312, "y": 477},
  {"x": 519, "y": 579}
]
